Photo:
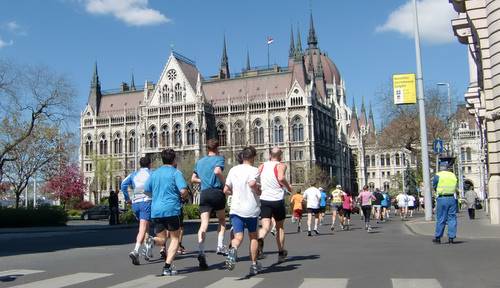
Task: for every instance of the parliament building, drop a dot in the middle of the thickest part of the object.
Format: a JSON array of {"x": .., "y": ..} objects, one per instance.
[{"x": 300, "y": 107}]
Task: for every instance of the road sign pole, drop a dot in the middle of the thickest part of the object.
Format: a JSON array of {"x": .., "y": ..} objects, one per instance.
[
  {"x": 423, "y": 129},
  {"x": 437, "y": 163}
]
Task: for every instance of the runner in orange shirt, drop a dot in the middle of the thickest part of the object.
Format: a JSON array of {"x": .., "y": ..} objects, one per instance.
[{"x": 297, "y": 201}]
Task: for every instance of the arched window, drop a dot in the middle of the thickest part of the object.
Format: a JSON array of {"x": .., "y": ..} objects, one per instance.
[
  {"x": 371, "y": 185},
  {"x": 386, "y": 186},
  {"x": 153, "y": 137},
  {"x": 397, "y": 159},
  {"x": 382, "y": 160},
  {"x": 190, "y": 136},
  {"x": 258, "y": 132},
  {"x": 165, "y": 136},
  {"x": 388, "y": 159},
  {"x": 118, "y": 143},
  {"x": 89, "y": 146},
  {"x": 222, "y": 134},
  {"x": 177, "y": 135},
  {"x": 178, "y": 92},
  {"x": 277, "y": 131},
  {"x": 131, "y": 142},
  {"x": 239, "y": 133},
  {"x": 373, "y": 161},
  {"x": 404, "y": 159},
  {"x": 367, "y": 160},
  {"x": 299, "y": 175},
  {"x": 297, "y": 129},
  {"x": 462, "y": 154},
  {"x": 103, "y": 145},
  {"x": 468, "y": 153}
]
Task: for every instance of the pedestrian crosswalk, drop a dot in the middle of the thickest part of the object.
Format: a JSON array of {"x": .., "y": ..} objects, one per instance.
[{"x": 154, "y": 281}]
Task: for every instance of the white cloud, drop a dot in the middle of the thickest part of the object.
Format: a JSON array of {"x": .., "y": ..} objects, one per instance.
[
  {"x": 434, "y": 18},
  {"x": 132, "y": 12},
  {"x": 4, "y": 43},
  {"x": 14, "y": 28}
]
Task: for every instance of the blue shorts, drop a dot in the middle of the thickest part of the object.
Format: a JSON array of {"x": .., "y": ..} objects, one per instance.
[
  {"x": 142, "y": 210},
  {"x": 240, "y": 223}
]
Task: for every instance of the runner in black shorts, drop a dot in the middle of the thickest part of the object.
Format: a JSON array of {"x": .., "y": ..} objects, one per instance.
[
  {"x": 272, "y": 201},
  {"x": 208, "y": 173}
]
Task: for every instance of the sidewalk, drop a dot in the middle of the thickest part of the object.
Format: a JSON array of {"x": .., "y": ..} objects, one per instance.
[{"x": 480, "y": 228}]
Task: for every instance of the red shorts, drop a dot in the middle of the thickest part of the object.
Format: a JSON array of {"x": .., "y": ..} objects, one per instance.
[{"x": 297, "y": 213}]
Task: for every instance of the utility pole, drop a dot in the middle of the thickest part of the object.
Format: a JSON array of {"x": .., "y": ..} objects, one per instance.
[{"x": 423, "y": 127}]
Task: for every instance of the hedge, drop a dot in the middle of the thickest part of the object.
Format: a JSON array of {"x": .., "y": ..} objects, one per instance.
[
  {"x": 128, "y": 217},
  {"x": 29, "y": 217},
  {"x": 191, "y": 211}
]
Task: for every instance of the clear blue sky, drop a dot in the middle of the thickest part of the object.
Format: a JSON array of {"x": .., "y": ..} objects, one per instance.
[{"x": 69, "y": 35}]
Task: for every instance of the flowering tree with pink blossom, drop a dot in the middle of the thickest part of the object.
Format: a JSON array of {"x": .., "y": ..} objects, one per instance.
[{"x": 68, "y": 185}]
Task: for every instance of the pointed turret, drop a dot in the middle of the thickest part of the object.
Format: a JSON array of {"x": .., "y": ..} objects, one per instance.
[
  {"x": 95, "y": 91},
  {"x": 132, "y": 83},
  {"x": 362, "y": 118},
  {"x": 298, "y": 47},
  {"x": 354, "y": 126},
  {"x": 291, "y": 53},
  {"x": 319, "y": 67},
  {"x": 224, "y": 64},
  {"x": 248, "y": 61},
  {"x": 370, "y": 118},
  {"x": 312, "y": 40}
]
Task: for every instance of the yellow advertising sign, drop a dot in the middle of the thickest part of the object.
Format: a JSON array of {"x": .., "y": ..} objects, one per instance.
[{"x": 405, "y": 89}]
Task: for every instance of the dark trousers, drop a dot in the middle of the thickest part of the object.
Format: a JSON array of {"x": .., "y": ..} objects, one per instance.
[
  {"x": 472, "y": 213},
  {"x": 367, "y": 210},
  {"x": 114, "y": 216}
]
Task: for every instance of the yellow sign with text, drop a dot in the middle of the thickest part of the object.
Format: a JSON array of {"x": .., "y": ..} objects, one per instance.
[{"x": 405, "y": 89}]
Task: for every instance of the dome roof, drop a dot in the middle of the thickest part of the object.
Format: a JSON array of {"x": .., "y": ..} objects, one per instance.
[{"x": 329, "y": 68}]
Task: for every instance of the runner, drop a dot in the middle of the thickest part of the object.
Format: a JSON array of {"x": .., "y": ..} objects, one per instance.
[
  {"x": 322, "y": 205},
  {"x": 377, "y": 204},
  {"x": 272, "y": 201},
  {"x": 208, "y": 173},
  {"x": 365, "y": 199},
  {"x": 411, "y": 204},
  {"x": 242, "y": 184},
  {"x": 297, "y": 202},
  {"x": 239, "y": 159},
  {"x": 347, "y": 206},
  {"x": 386, "y": 204},
  {"x": 336, "y": 203},
  {"x": 402, "y": 200},
  {"x": 141, "y": 205},
  {"x": 312, "y": 196},
  {"x": 168, "y": 187}
]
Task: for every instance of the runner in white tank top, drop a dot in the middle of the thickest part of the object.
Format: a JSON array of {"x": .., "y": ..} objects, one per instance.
[{"x": 272, "y": 203}]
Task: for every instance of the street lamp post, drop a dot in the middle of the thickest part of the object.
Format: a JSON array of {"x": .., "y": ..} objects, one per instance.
[{"x": 423, "y": 128}]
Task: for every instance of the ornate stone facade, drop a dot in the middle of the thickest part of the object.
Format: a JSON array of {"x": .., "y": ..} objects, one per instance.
[
  {"x": 478, "y": 27},
  {"x": 301, "y": 108}
]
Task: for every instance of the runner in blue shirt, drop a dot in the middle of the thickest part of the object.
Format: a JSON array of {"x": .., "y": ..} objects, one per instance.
[
  {"x": 322, "y": 205},
  {"x": 168, "y": 187},
  {"x": 141, "y": 205},
  {"x": 208, "y": 173}
]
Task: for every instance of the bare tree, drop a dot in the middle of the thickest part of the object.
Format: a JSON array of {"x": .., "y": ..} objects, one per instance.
[
  {"x": 32, "y": 156},
  {"x": 31, "y": 96}
]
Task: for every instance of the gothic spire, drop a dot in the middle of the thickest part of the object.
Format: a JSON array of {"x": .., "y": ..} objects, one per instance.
[
  {"x": 354, "y": 112},
  {"x": 363, "y": 110},
  {"x": 292, "y": 44},
  {"x": 298, "y": 48},
  {"x": 132, "y": 83},
  {"x": 248, "y": 61},
  {"x": 312, "y": 41},
  {"x": 95, "y": 77},
  {"x": 224, "y": 64}
]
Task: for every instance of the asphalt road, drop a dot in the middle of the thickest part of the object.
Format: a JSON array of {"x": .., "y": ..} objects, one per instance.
[{"x": 390, "y": 256}]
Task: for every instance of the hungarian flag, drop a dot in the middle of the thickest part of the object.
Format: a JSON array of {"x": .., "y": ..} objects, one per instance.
[{"x": 270, "y": 40}]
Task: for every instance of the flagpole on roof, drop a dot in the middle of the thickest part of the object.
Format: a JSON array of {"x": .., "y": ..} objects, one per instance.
[{"x": 268, "y": 66}]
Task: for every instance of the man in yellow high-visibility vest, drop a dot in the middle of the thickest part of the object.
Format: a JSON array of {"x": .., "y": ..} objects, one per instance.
[{"x": 445, "y": 185}]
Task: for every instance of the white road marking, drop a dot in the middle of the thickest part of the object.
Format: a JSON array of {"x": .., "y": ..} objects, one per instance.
[
  {"x": 324, "y": 282},
  {"x": 19, "y": 272},
  {"x": 415, "y": 283},
  {"x": 234, "y": 282},
  {"x": 150, "y": 281},
  {"x": 63, "y": 281}
]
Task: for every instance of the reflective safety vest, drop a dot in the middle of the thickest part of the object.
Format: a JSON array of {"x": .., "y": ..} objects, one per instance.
[{"x": 447, "y": 184}]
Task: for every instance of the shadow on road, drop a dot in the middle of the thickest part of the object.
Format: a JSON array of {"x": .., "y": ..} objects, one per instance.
[{"x": 54, "y": 241}]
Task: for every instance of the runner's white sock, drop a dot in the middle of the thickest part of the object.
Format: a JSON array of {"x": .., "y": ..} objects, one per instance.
[
  {"x": 220, "y": 240},
  {"x": 137, "y": 246}
]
